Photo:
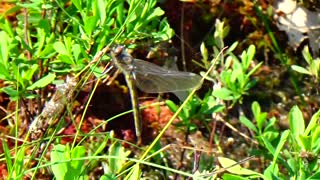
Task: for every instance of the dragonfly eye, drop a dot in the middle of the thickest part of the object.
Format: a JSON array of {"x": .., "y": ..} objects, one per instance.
[{"x": 118, "y": 50}]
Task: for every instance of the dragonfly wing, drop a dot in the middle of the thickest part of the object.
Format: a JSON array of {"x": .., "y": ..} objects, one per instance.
[{"x": 151, "y": 78}]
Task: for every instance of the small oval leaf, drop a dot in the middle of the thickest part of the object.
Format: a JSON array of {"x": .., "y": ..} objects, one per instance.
[{"x": 44, "y": 81}]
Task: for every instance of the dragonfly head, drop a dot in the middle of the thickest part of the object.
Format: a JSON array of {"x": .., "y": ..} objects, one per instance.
[{"x": 121, "y": 57}]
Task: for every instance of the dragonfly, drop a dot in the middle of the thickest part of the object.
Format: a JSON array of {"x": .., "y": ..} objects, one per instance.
[{"x": 149, "y": 78}]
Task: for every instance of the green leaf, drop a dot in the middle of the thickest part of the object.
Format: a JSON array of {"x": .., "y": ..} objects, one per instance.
[
  {"x": 108, "y": 177},
  {"x": 237, "y": 74},
  {"x": 230, "y": 166},
  {"x": 296, "y": 122},
  {"x": 232, "y": 47},
  {"x": 60, "y": 48},
  {"x": 66, "y": 59},
  {"x": 13, "y": 93},
  {"x": 315, "y": 176},
  {"x": 102, "y": 145},
  {"x": 164, "y": 34},
  {"x": 19, "y": 163},
  {"x": 270, "y": 124},
  {"x": 101, "y": 10},
  {"x": 204, "y": 53},
  {"x": 227, "y": 176},
  {"x": 90, "y": 24},
  {"x": 57, "y": 155},
  {"x": 76, "y": 166},
  {"x": 245, "y": 121},
  {"x": 254, "y": 69},
  {"x": 136, "y": 173},
  {"x": 214, "y": 109},
  {"x": 76, "y": 50},
  {"x": 300, "y": 69},
  {"x": 117, "y": 150},
  {"x": 293, "y": 164},
  {"x": 262, "y": 119},
  {"x": 7, "y": 156},
  {"x": 4, "y": 73},
  {"x": 223, "y": 93},
  {"x": 256, "y": 110},
  {"x": 283, "y": 139},
  {"x": 97, "y": 72},
  {"x": 73, "y": 168},
  {"x": 172, "y": 106},
  {"x": 4, "y": 48},
  {"x": 316, "y": 140},
  {"x": 30, "y": 72},
  {"x": 270, "y": 135},
  {"x": 306, "y": 54},
  {"x": 229, "y": 61},
  {"x": 268, "y": 145},
  {"x": 271, "y": 172},
  {"x": 313, "y": 123},
  {"x": 258, "y": 115},
  {"x": 78, "y": 152},
  {"x": 225, "y": 31},
  {"x": 156, "y": 12},
  {"x": 77, "y": 4},
  {"x": 45, "y": 26},
  {"x": 47, "y": 52},
  {"x": 44, "y": 81},
  {"x": 226, "y": 78},
  {"x": 306, "y": 142},
  {"x": 250, "y": 54}
]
